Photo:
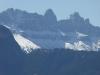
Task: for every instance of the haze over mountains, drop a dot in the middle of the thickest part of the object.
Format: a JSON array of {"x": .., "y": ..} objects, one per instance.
[
  {"x": 45, "y": 31},
  {"x": 65, "y": 47}
]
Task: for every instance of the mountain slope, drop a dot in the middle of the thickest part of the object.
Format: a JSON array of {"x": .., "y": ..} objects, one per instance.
[{"x": 11, "y": 56}]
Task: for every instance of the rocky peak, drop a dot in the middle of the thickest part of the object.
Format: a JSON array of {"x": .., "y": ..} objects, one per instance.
[
  {"x": 76, "y": 17},
  {"x": 50, "y": 17}
]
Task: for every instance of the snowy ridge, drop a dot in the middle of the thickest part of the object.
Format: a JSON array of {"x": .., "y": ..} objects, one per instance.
[
  {"x": 80, "y": 46},
  {"x": 77, "y": 46},
  {"x": 25, "y": 44}
]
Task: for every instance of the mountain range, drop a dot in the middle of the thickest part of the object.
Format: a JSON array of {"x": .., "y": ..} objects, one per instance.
[
  {"x": 33, "y": 44},
  {"x": 46, "y": 32}
]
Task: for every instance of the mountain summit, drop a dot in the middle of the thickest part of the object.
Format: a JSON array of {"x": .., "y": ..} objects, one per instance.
[{"x": 50, "y": 17}]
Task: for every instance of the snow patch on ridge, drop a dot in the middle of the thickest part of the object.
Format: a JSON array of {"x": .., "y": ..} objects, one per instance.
[
  {"x": 25, "y": 44},
  {"x": 69, "y": 46},
  {"x": 81, "y": 34},
  {"x": 77, "y": 46},
  {"x": 81, "y": 46},
  {"x": 96, "y": 46},
  {"x": 62, "y": 33}
]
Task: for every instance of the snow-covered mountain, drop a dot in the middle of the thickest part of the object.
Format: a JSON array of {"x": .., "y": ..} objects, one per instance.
[{"x": 33, "y": 31}]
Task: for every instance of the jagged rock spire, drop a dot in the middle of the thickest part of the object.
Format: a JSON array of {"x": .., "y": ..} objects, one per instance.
[
  {"x": 76, "y": 17},
  {"x": 50, "y": 17}
]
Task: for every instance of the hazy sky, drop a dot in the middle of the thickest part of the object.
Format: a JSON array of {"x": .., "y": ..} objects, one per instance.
[{"x": 62, "y": 8}]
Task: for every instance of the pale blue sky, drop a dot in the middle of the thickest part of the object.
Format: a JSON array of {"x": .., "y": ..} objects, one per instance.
[{"x": 62, "y": 8}]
